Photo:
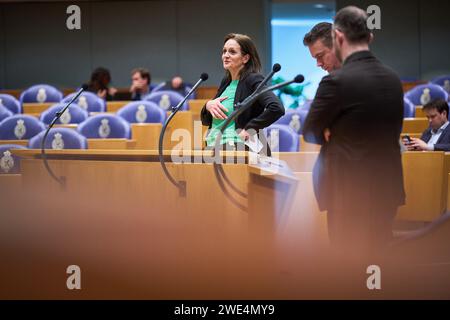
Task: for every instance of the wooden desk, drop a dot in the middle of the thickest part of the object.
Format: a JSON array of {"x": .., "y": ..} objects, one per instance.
[
  {"x": 111, "y": 144},
  {"x": 125, "y": 225},
  {"x": 196, "y": 105},
  {"x": 206, "y": 92},
  {"x": 36, "y": 108},
  {"x": 180, "y": 133},
  {"x": 146, "y": 135},
  {"x": 19, "y": 142},
  {"x": 425, "y": 179},
  {"x": 419, "y": 112},
  {"x": 415, "y": 125},
  {"x": 114, "y": 106},
  {"x": 199, "y": 133}
]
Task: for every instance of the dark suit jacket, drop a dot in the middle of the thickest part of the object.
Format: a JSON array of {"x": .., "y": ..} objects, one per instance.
[
  {"x": 362, "y": 105},
  {"x": 443, "y": 143},
  {"x": 265, "y": 111}
]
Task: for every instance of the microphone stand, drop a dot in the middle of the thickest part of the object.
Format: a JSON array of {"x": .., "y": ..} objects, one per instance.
[
  {"x": 181, "y": 185},
  {"x": 61, "y": 180},
  {"x": 243, "y": 106}
]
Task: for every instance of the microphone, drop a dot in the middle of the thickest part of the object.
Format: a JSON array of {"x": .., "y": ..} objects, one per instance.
[
  {"x": 181, "y": 185},
  {"x": 276, "y": 67},
  {"x": 203, "y": 77},
  {"x": 218, "y": 170},
  {"x": 244, "y": 105},
  {"x": 58, "y": 114},
  {"x": 298, "y": 79}
]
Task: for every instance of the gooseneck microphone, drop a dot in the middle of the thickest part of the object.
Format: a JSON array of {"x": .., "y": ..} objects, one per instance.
[
  {"x": 247, "y": 103},
  {"x": 60, "y": 180},
  {"x": 239, "y": 109},
  {"x": 275, "y": 68},
  {"x": 181, "y": 185},
  {"x": 298, "y": 79}
]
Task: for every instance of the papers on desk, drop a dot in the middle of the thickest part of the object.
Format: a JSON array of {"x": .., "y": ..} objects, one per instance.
[{"x": 254, "y": 144}]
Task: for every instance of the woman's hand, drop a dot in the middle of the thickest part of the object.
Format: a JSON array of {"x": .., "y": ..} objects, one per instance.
[
  {"x": 216, "y": 108},
  {"x": 244, "y": 135}
]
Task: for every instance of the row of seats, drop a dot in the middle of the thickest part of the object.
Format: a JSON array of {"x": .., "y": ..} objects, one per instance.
[
  {"x": 23, "y": 127},
  {"x": 288, "y": 128},
  {"x": 87, "y": 100}
]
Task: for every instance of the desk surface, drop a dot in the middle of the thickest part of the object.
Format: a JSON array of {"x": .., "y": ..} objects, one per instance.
[{"x": 122, "y": 155}]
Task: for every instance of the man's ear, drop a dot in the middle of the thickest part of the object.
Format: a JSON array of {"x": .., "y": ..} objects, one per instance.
[
  {"x": 371, "y": 37},
  {"x": 338, "y": 36}
]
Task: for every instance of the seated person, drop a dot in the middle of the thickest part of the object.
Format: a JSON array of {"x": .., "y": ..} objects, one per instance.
[
  {"x": 437, "y": 136},
  {"x": 100, "y": 84},
  {"x": 140, "y": 83},
  {"x": 177, "y": 85}
]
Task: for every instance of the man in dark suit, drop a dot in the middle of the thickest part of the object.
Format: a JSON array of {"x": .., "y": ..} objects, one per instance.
[
  {"x": 357, "y": 117},
  {"x": 437, "y": 136}
]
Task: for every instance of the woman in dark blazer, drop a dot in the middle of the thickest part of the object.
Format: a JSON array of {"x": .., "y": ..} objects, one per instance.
[{"x": 242, "y": 66}]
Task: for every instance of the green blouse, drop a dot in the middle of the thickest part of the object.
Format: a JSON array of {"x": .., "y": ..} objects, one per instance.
[{"x": 229, "y": 135}]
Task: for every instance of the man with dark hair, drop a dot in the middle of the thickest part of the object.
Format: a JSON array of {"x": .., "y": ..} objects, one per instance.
[
  {"x": 140, "y": 83},
  {"x": 358, "y": 176},
  {"x": 437, "y": 136},
  {"x": 320, "y": 45}
]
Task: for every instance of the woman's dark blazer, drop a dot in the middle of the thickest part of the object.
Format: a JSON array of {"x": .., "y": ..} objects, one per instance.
[{"x": 266, "y": 110}]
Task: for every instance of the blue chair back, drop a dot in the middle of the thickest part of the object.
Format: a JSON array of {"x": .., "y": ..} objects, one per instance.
[
  {"x": 87, "y": 101},
  {"x": 41, "y": 93},
  {"x": 10, "y": 103},
  {"x": 74, "y": 114},
  {"x": 9, "y": 163},
  {"x": 4, "y": 113},
  {"x": 142, "y": 112},
  {"x": 443, "y": 81},
  {"x": 105, "y": 126},
  {"x": 58, "y": 139},
  {"x": 294, "y": 119},
  {"x": 425, "y": 93},
  {"x": 20, "y": 127},
  {"x": 282, "y": 138},
  {"x": 166, "y": 99},
  {"x": 409, "y": 109}
]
